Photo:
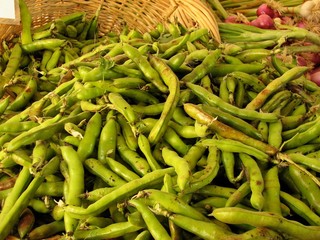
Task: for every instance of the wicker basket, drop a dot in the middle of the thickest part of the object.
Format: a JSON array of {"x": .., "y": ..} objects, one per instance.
[{"x": 142, "y": 15}]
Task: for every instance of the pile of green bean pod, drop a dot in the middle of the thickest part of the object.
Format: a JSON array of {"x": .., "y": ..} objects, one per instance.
[{"x": 160, "y": 135}]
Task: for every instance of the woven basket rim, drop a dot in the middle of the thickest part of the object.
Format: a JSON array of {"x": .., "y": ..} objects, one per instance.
[{"x": 142, "y": 15}]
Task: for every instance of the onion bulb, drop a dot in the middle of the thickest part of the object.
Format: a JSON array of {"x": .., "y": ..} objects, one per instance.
[
  {"x": 315, "y": 76},
  {"x": 263, "y": 21}
]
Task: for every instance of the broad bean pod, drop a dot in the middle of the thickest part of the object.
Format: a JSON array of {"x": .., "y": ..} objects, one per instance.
[
  {"x": 306, "y": 186},
  {"x": 233, "y": 121},
  {"x": 181, "y": 166},
  {"x": 205, "y": 176},
  {"x": 255, "y": 179},
  {"x": 226, "y": 131},
  {"x": 99, "y": 169},
  {"x": 215, "y": 101},
  {"x": 149, "y": 72},
  {"x": 138, "y": 163},
  {"x": 13, "y": 214},
  {"x": 271, "y": 191},
  {"x": 120, "y": 169},
  {"x": 290, "y": 228},
  {"x": 204, "y": 68},
  {"x": 274, "y": 86},
  {"x": 119, "y": 194},
  {"x": 43, "y": 132},
  {"x": 154, "y": 226}
]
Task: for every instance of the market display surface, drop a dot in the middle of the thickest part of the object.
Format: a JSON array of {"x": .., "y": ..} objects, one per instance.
[{"x": 172, "y": 133}]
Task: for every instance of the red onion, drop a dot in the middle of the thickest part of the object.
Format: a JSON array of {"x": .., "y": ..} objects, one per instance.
[
  {"x": 301, "y": 24},
  {"x": 231, "y": 19},
  {"x": 308, "y": 58},
  {"x": 234, "y": 19},
  {"x": 266, "y": 9},
  {"x": 301, "y": 60},
  {"x": 263, "y": 21},
  {"x": 315, "y": 58},
  {"x": 286, "y": 20},
  {"x": 315, "y": 75}
]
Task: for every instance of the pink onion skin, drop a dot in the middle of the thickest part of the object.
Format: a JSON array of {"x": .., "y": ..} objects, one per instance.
[
  {"x": 314, "y": 75},
  {"x": 266, "y": 9},
  {"x": 301, "y": 24},
  {"x": 231, "y": 19},
  {"x": 286, "y": 20},
  {"x": 315, "y": 58},
  {"x": 307, "y": 58},
  {"x": 263, "y": 21},
  {"x": 301, "y": 60}
]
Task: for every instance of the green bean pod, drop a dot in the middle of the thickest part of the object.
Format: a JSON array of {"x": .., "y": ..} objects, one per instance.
[
  {"x": 145, "y": 147},
  {"x": 119, "y": 194},
  {"x": 184, "y": 131},
  {"x": 222, "y": 69},
  {"x": 249, "y": 80},
  {"x": 202, "y": 229},
  {"x": 26, "y": 21},
  {"x": 181, "y": 167},
  {"x": 195, "y": 152},
  {"x": 300, "y": 208},
  {"x": 226, "y": 131},
  {"x": 75, "y": 181},
  {"x": 156, "y": 229},
  {"x": 177, "y": 60},
  {"x": 26, "y": 222},
  {"x": 114, "y": 230},
  {"x": 252, "y": 55},
  {"x": 213, "y": 100},
  {"x": 275, "y": 100},
  {"x": 303, "y": 137},
  {"x": 13, "y": 214},
  {"x": 307, "y": 187},
  {"x": 139, "y": 164},
  {"x": 99, "y": 169},
  {"x": 107, "y": 140},
  {"x": 13, "y": 63},
  {"x": 24, "y": 97},
  {"x": 175, "y": 48},
  {"x": 223, "y": 90},
  {"x": 89, "y": 140},
  {"x": 46, "y": 230},
  {"x": 128, "y": 133},
  {"x": 256, "y": 181},
  {"x": 238, "y": 195},
  {"x": 236, "y": 147},
  {"x": 23, "y": 179},
  {"x": 233, "y": 121},
  {"x": 42, "y": 44},
  {"x": 204, "y": 68},
  {"x": 120, "y": 169},
  {"x": 275, "y": 134},
  {"x": 275, "y": 85},
  {"x": 290, "y": 228},
  {"x": 123, "y": 107},
  {"x": 149, "y": 72},
  {"x": 13, "y": 127},
  {"x": 172, "y": 81},
  {"x": 170, "y": 202},
  {"x": 228, "y": 162},
  {"x": 54, "y": 59},
  {"x": 271, "y": 191},
  {"x": 306, "y": 161},
  {"x": 205, "y": 176},
  {"x": 43, "y": 131}
]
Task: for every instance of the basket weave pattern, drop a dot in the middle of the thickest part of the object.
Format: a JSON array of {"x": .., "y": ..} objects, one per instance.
[{"x": 142, "y": 15}]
